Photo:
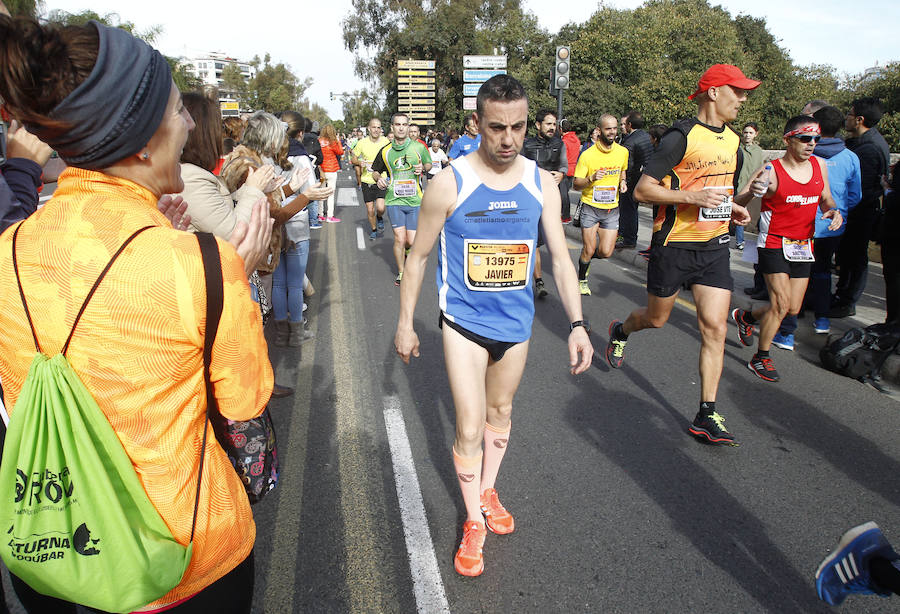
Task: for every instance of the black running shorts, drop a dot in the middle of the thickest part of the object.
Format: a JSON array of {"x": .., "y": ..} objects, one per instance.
[
  {"x": 673, "y": 268},
  {"x": 371, "y": 192},
  {"x": 772, "y": 260}
]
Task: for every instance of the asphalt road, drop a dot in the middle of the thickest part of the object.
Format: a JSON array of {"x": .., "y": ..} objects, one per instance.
[{"x": 617, "y": 508}]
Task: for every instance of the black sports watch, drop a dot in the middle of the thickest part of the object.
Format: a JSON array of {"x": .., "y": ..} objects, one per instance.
[{"x": 584, "y": 323}]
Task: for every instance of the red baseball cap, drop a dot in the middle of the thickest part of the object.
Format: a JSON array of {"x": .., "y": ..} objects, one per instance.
[{"x": 724, "y": 74}]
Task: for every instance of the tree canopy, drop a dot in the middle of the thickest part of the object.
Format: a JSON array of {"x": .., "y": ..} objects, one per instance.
[
  {"x": 647, "y": 59},
  {"x": 441, "y": 30},
  {"x": 274, "y": 88},
  {"x": 31, "y": 8}
]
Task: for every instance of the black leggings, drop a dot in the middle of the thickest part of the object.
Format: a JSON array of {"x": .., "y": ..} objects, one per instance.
[{"x": 230, "y": 594}]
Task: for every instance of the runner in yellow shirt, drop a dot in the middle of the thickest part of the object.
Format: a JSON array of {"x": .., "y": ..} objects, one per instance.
[
  {"x": 363, "y": 155},
  {"x": 600, "y": 175}
]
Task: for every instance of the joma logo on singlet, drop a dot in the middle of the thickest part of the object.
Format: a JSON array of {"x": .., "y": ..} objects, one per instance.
[{"x": 502, "y": 204}]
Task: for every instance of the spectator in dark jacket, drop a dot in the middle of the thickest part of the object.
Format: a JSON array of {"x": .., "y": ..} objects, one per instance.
[
  {"x": 637, "y": 142},
  {"x": 573, "y": 147},
  {"x": 20, "y": 176},
  {"x": 874, "y": 160},
  {"x": 890, "y": 246},
  {"x": 311, "y": 144}
]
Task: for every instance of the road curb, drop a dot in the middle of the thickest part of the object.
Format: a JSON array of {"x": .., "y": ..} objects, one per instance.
[{"x": 890, "y": 372}]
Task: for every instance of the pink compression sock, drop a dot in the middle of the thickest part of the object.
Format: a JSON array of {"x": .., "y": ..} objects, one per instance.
[{"x": 495, "y": 443}]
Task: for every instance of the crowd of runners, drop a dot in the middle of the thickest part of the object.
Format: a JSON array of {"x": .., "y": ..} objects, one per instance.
[
  {"x": 495, "y": 208},
  {"x": 489, "y": 204}
]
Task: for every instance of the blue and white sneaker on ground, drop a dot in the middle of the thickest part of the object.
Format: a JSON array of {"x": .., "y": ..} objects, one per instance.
[
  {"x": 846, "y": 570},
  {"x": 785, "y": 342},
  {"x": 822, "y": 326}
]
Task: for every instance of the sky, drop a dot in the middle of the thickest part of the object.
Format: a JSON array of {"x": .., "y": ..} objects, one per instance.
[{"x": 812, "y": 33}]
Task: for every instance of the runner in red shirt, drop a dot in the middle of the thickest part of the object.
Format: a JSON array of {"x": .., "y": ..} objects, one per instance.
[{"x": 794, "y": 189}]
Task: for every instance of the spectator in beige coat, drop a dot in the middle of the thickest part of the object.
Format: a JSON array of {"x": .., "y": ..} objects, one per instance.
[{"x": 211, "y": 207}]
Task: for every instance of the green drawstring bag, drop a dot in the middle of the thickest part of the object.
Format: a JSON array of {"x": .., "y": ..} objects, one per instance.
[{"x": 78, "y": 524}]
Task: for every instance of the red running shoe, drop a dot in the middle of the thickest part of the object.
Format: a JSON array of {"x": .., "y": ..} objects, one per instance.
[{"x": 469, "y": 560}]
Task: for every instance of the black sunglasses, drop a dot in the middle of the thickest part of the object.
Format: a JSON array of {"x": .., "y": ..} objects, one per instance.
[{"x": 806, "y": 138}]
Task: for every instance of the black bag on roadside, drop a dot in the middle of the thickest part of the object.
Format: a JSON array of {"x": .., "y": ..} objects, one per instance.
[{"x": 861, "y": 352}]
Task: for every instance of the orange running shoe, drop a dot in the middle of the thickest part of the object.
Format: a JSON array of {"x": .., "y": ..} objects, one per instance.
[
  {"x": 468, "y": 560},
  {"x": 497, "y": 518}
]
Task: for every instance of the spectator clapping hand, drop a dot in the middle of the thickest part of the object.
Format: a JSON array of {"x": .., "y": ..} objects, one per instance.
[
  {"x": 174, "y": 208},
  {"x": 299, "y": 178},
  {"x": 22, "y": 144},
  {"x": 318, "y": 192},
  {"x": 252, "y": 240},
  {"x": 263, "y": 178}
]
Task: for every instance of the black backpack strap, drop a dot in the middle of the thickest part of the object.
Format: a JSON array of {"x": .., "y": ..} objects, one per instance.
[
  {"x": 37, "y": 347},
  {"x": 87, "y": 299},
  {"x": 97, "y": 283},
  {"x": 215, "y": 298}
]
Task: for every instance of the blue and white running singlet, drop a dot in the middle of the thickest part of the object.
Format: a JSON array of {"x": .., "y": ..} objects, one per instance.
[{"x": 487, "y": 255}]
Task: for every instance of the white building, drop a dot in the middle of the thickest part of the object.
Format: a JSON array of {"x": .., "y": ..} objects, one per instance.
[
  {"x": 208, "y": 69},
  {"x": 873, "y": 73}
]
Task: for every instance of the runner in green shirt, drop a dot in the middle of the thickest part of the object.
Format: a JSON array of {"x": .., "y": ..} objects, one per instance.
[{"x": 400, "y": 168}]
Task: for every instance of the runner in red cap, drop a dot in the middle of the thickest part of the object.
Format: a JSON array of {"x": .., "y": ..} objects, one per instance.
[
  {"x": 693, "y": 176},
  {"x": 718, "y": 75}
]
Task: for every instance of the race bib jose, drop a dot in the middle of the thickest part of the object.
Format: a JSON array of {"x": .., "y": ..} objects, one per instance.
[
  {"x": 720, "y": 213},
  {"x": 497, "y": 265}
]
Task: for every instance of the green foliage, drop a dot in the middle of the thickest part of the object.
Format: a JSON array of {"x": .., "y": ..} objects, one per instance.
[
  {"x": 449, "y": 29},
  {"x": 233, "y": 81},
  {"x": 889, "y": 127},
  {"x": 315, "y": 112},
  {"x": 110, "y": 19},
  {"x": 29, "y": 8},
  {"x": 359, "y": 107},
  {"x": 275, "y": 88},
  {"x": 886, "y": 87},
  {"x": 648, "y": 59},
  {"x": 184, "y": 81}
]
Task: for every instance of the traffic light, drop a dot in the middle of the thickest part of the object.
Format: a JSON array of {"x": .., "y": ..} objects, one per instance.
[{"x": 561, "y": 68}]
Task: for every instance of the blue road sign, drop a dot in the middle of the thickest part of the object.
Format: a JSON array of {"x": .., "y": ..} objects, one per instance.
[
  {"x": 471, "y": 89},
  {"x": 480, "y": 76}
]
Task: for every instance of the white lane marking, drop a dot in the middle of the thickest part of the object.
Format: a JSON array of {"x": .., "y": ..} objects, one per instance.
[
  {"x": 360, "y": 238},
  {"x": 346, "y": 197},
  {"x": 427, "y": 585}
]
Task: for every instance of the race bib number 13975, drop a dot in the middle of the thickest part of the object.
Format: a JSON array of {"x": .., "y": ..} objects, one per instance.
[{"x": 497, "y": 265}]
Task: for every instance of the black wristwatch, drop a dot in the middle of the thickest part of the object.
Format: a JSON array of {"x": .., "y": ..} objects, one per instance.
[{"x": 584, "y": 323}]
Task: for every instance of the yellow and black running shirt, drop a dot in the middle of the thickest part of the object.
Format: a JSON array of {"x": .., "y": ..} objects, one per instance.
[
  {"x": 604, "y": 192},
  {"x": 694, "y": 156}
]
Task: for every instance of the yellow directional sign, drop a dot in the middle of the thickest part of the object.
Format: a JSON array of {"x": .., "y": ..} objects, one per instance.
[
  {"x": 415, "y": 79},
  {"x": 415, "y": 94},
  {"x": 417, "y": 116},
  {"x": 229, "y": 109},
  {"x": 415, "y": 73},
  {"x": 428, "y": 64},
  {"x": 415, "y": 86},
  {"x": 427, "y": 121},
  {"x": 415, "y": 108}
]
